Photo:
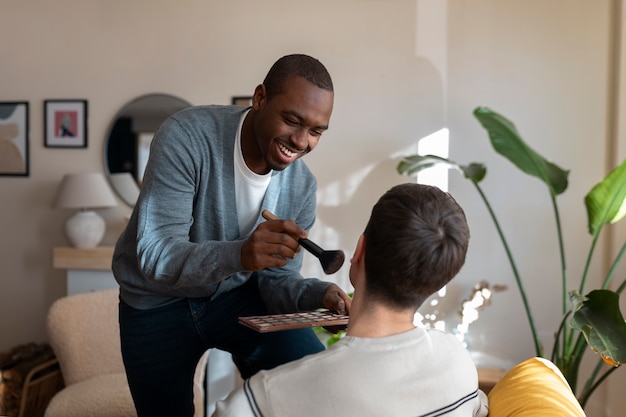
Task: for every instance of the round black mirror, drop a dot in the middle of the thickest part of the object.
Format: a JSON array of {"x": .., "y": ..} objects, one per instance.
[{"x": 127, "y": 143}]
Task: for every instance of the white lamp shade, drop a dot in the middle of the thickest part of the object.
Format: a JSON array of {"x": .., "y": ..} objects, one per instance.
[
  {"x": 85, "y": 229},
  {"x": 84, "y": 191}
]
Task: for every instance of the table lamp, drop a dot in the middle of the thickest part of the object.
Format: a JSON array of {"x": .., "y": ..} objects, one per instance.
[{"x": 85, "y": 192}]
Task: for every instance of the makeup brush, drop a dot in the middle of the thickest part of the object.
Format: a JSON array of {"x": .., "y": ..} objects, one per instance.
[{"x": 331, "y": 260}]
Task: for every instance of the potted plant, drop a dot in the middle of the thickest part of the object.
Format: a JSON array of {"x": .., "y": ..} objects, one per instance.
[{"x": 589, "y": 318}]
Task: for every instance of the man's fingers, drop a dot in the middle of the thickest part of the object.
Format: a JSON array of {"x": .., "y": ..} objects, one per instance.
[
  {"x": 341, "y": 307},
  {"x": 337, "y": 300},
  {"x": 270, "y": 245}
]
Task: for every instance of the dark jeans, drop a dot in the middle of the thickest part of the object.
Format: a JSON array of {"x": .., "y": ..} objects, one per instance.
[{"x": 162, "y": 346}]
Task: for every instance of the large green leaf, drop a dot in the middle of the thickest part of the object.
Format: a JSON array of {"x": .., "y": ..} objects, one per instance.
[
  {"x": 415, "y": 163},
  {"x": 606, "y": 202},
  {"x": 599, "y": 318},
  {"x": 507, "y": 142}
]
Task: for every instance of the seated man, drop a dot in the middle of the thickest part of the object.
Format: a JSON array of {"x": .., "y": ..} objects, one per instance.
[{"x": 414, "y": 244}]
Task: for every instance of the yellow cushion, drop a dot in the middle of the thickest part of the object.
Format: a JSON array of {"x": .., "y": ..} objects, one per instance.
[{"x": 535, "y": 387}]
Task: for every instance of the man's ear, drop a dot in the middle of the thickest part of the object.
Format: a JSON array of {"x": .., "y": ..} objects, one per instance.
[
  {"x": 259, "y": 98},
  {"x": 357, "y": 264},
  {"x": 359, "y": 251}
]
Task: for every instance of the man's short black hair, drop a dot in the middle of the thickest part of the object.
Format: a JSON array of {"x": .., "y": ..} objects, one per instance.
[
  {"x": 296, "y": 65},
  {"x": 415, "y": 243}
]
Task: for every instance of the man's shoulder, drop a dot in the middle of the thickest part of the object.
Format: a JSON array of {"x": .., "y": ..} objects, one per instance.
[
  {"x": 269, "y": 387},
  {"x": 200, "y": 125},
  {"x": 303, "y": 368}
]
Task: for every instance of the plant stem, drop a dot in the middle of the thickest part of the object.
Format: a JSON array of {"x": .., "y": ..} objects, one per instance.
[
  {"x": 520, "y": 286},
  {"x": 574, "y": 358},
  {"x": 560, "y": 331},
  {"x": 592, "y": 377},
  {"x": 559, "y": 233},
  {"x": 618, "y": 259},
  {"x": 568, "y": 348},
  {"x": 621, "y": 287},
  {"x": 587, "y": 392},
  {"x": 588, "y": 263},
  {"x": 567, "y": 336}
]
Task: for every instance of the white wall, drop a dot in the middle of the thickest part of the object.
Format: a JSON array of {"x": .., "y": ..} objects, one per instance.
[{"x": 402, "y": 70}]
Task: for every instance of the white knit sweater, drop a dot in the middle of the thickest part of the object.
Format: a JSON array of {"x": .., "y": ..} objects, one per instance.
[{"x": 416, "y": 373}]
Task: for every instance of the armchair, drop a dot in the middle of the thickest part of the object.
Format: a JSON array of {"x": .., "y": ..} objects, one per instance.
[{"x": 84, "y": 334}]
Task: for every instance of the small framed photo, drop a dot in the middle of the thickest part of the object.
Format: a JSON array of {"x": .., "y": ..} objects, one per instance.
[
  {"x": 65, "y": 123},
  {"x": 245, "y": 101},
  {"x": 14, "y": 138}
]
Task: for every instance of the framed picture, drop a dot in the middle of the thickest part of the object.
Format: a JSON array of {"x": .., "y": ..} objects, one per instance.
[
  {"x": 65, "y": 123},
  {"x": 245, "y": 101},
  {"x": 14, "y": 138}
]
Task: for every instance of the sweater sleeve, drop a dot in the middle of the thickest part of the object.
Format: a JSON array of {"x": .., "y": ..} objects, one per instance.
[{"x": 165, "y": 212}]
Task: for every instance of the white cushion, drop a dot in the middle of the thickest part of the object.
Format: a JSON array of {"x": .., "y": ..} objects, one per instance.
[{"x": 102, "y": 395}]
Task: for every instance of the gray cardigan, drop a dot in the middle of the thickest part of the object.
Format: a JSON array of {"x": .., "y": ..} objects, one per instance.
[{"x": 182, "y": 239}]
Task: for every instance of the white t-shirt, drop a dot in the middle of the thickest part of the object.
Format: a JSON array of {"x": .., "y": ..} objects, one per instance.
[{"x": 250, "y": 188}]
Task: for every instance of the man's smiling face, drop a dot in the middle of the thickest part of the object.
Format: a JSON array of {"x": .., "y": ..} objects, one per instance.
[{"x": 289, "y": 125}]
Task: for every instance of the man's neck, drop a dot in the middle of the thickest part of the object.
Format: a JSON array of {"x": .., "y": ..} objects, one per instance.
[
  {"x": 377, "y": 320},
  {"x": 252, "y": 155}
]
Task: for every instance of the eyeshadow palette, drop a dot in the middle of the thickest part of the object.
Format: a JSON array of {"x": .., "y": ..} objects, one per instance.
[{"x": 277, "y": 322}]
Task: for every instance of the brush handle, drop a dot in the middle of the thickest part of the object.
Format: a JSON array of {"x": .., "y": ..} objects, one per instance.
[
  {"x": 311, "y": 247},
  {"x": 305, "y": 243}
]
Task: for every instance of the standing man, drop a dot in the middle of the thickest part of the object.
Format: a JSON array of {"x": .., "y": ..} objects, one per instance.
[
  {"x": 196, "y": 253},
  {"x": 414, "y": 243}
]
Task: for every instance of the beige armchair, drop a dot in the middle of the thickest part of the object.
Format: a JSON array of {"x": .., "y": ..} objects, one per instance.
[{"x": 84, "y": 334}]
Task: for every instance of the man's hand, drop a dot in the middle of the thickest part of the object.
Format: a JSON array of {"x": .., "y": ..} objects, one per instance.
[
  {"x": 271, "y": 244},
  {"x": 338, "y": 301},
  {"x": 335, "y": 299}
]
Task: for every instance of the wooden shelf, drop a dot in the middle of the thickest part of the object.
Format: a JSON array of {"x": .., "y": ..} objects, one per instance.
[
  {"x": 98, "y": 258},
  {"x": 487, "y": 378}
]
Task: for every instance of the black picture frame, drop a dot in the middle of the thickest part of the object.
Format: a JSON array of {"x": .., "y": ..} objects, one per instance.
[
  {"x": 14, "y": 139},
  {"x": 245, "y": 101},
  {"x": 65, "y": 123}
]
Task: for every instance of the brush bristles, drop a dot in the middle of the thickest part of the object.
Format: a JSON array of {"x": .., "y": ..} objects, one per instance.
[{"x": 332, "y": 261}]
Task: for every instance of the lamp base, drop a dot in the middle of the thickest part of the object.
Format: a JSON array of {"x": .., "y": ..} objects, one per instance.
[{"x": 85, "y": 229}]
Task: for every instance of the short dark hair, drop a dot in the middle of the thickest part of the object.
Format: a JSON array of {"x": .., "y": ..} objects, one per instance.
[
  {"x": 296, "y": 65},
  {"x": 415, "y": 243}
]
